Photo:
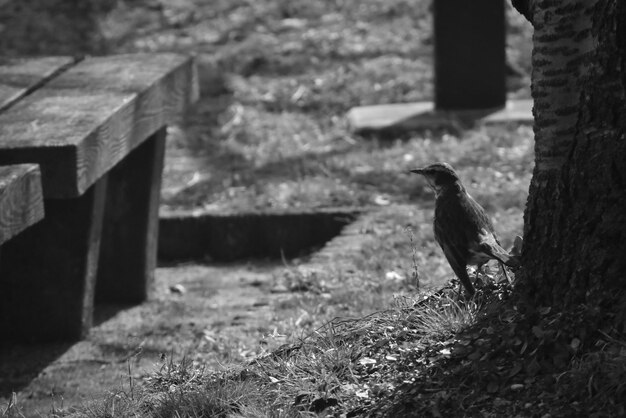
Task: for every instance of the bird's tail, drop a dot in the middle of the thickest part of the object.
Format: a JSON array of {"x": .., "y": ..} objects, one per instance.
[
  {"x": 501, "y": 255},
  {"x": 492, "y": 247}
]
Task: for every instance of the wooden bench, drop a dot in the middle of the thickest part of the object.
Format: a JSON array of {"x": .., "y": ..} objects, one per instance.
[
  {"x": 21, "y": 199},
  {"x": 96, "y": 127}
]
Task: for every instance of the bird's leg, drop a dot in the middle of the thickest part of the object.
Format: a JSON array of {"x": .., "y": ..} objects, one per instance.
[
  {"x": 461, "y": 273},
  {"x": 466, "y": 282},
  {"x": 479, "y": 270},
  {"x": 505, "y": 272}
]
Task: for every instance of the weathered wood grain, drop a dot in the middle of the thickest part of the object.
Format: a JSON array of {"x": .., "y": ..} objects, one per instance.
[
  {"x": 21, "y": 199},
  {"x": 48, "y": 272},
  {"x": 20, "y": 76},
  {"x": 86, "y": 120},
  {"x": 128, "y": 254}
]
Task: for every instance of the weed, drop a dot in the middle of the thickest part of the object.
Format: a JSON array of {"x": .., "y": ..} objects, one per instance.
[
  {"x": 415, "y": 273},
  {"x": 445, "y": 315},
  {"x": 11, "y": 410}
]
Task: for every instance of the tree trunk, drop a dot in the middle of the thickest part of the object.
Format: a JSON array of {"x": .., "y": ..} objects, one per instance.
[{"x": 575, "y": 220}]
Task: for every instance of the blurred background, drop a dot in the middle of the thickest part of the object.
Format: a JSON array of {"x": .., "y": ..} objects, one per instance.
[{"x": 277, "y": 78}]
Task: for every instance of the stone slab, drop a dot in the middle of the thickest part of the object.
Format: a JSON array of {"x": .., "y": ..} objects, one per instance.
[{"x": 423, "y": 115}]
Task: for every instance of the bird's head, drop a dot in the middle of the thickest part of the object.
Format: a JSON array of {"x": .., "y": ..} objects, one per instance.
[{"x": 439, "y": 176}]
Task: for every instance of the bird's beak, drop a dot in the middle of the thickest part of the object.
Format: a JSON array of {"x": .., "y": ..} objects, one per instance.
[{"x": 417, "y": 171}]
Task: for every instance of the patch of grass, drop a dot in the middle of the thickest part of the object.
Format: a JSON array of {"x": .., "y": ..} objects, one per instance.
[
  {"x": 445, "y": 316},
  {"x": 11, "y": 409},
  {"x": 600, "y": 375},
  {"x": 345, "y": 363},
  {"x": 427, "y": 355},
  {"x": 277, "y": 79},
  {"x": 339, "y": 367},
  {"x": 179, "y": 394},
  {"x": 304, "y": 168}
]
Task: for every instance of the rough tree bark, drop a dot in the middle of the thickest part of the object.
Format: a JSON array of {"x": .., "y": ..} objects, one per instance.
[{"x": 575, "y": 219}]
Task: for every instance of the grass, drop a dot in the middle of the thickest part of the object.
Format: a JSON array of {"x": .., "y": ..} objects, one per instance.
[
  {"x": 277, "y": 81},
  {"x": 439, "y": 356},
  {"x": 324, "y": 369}
]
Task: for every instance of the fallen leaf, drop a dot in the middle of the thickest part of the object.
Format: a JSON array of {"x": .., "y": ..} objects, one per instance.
[
  {"x": 178, "y": 289},
  {"x": 362, "y": 394},
  {"x": 524, "y": 347},
  {"x": 517, "y": 367},
  {"x": 545, "y": 310},
  {"x": 304, "y": 320},
  {"x": 366, "y": 361},
  {"x": 394, "y": 275},
  {"x": 533, "y": 367},
  {"x": 501, "y": 402},
  {"x": 293, "y": 23},
  {"x": 381, "y": 200},
  {"x": 493, "y": 386}
]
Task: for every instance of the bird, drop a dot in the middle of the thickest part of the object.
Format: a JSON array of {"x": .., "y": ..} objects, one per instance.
[{"x": 461, "y": 226}]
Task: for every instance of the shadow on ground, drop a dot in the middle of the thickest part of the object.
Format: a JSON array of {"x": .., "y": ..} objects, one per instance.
[{"x": 20, "y": 364}]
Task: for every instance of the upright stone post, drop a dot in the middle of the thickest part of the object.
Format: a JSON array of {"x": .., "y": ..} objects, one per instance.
[{"x": 470, "y": 46}]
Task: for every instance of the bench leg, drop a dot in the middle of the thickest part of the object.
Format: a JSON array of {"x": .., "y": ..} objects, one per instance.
[
  {"x": 131, "y": 220},
  {"x": 48, "y": 272}
]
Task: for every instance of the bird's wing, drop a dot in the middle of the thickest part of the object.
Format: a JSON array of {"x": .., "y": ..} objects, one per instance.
[
  {"x": 490, "y": 245},
  {"x": 477, "y": 214}
]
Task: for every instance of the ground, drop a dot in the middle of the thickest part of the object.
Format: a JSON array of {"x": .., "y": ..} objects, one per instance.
[
  {"x": 222, "y": 315},
  {"x": 269, "y": 133}
]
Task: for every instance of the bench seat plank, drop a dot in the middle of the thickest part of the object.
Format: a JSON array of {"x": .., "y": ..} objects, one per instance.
[
  {"x": 83, "y": 122},
  {"x": 97, "y": 131},
  {"x": 20, "y": 76},
  {"x": 21, "y": 199}
]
